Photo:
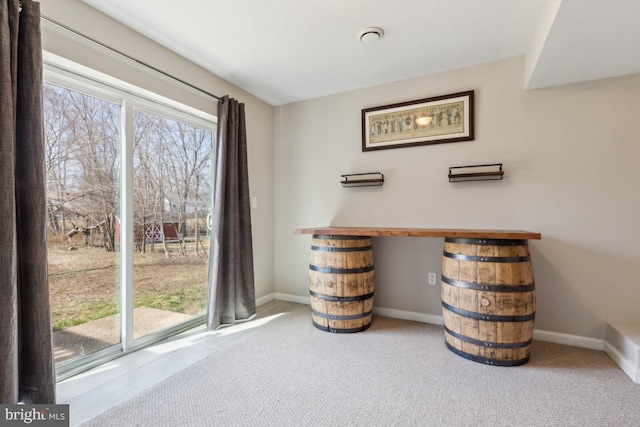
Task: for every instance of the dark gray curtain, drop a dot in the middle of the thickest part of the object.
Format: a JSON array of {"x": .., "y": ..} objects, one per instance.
[
  {"x": 231, "y": 293},
  {"x": 27, "y": 372}
]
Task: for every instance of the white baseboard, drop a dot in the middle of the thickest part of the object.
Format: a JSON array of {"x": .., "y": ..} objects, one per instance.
[
  {"x": 554, "y": 337},
  {"x": 626, "y": 366},
  {"x": 408, "y": 315},
  {"x": 292, "y": 298},
  {"x": 282, "y": 297},
  {"x": 265, "y": 299},
  {"x": 622, "y": 345},
  {"x": 567, "y": 339}
]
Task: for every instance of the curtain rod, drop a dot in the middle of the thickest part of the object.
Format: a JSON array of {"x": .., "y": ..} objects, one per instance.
[{"x": 71, "y": 30}]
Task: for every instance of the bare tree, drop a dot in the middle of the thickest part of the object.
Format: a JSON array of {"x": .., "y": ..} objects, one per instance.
[
  {"x": 59, "y": 151},
  {"x": 189, "y": 161},
  {"x": 82, "y": 164},
  {"x": 172, "y": 156},
  {"x": 172, "y": 162}
]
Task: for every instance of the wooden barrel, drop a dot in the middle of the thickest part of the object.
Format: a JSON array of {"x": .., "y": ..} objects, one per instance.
[
  {"x": 341, "y": 282},
  {"x": 488, "y": 300}
]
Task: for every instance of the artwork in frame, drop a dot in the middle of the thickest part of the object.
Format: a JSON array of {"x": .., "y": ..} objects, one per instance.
[{"x": 437, "y": 120}]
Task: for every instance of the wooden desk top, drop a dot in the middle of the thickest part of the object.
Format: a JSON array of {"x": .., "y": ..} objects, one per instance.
[{"x": 421, "y": 232}]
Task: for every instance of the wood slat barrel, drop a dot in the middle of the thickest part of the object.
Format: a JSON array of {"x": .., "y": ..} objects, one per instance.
[
  {"x": 488, "y": 299},
  {"x": 341, "y": 282}
]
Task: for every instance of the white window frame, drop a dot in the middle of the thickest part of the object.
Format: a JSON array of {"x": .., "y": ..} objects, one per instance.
[{"x": 70, "y": 75}]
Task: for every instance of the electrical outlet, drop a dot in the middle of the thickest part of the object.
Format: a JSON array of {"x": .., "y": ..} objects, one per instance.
[{"x": 432, "y": 278}]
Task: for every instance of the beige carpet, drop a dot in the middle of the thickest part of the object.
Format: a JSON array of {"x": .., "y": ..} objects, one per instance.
[{"x": 397, "y": 373}]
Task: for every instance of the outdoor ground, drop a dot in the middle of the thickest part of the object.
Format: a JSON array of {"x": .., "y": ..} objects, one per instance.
[{"x": 83, "y": 283}]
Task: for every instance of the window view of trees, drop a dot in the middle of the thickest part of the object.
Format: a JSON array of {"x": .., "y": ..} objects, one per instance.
[
  {"x": 82, "y": 164},
  {"x": 82, "y": 140},
  {"x": 172, "y": 182},
  {"x": 171, "y": 201}
]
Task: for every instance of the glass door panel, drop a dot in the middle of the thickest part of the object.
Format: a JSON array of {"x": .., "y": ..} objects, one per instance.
[
  {"x": 82, "y": 172},
  {"x": 172, "y": 185}
]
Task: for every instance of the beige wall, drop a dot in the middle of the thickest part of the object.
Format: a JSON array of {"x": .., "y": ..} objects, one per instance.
[
  {"x": 571, "y": 158},
  {"x": 570, "y": 155},
  {"x": 86, "y": 20}
]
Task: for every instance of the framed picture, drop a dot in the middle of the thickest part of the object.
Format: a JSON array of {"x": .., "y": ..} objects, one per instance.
[{"x": 446, "y": 118}]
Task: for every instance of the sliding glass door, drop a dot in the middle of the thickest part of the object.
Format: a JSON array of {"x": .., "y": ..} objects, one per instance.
[
  {"x": 171, "y": 200},
  {"x": 82, "y": 169},
  {"x": 129, "y": 184}
]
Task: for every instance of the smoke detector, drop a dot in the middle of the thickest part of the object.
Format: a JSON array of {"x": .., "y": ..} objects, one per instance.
[{"x": 371, "y": 34}]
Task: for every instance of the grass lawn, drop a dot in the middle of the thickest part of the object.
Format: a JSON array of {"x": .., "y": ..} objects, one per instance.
[{"x": 83, "y": 283}]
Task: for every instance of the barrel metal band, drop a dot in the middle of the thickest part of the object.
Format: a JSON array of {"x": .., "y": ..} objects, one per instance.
[
  {"x": 333, "y": 270},
  {"x": 339, "y": 317},
  {"x": 338, "y": 237},
  {"x": 486, "y": 258},
  {"x": 486, "y": 343},
  {"x": 486, "y": 360},
  {"x": 488, "y": 317},
  {"x": 341, "y": 299},
  {"x": 334, "y": 249},
  {"x": 487, "y": 242},
  {"x": 488, "y": 286},
  {"x": 341, "y": 330}
]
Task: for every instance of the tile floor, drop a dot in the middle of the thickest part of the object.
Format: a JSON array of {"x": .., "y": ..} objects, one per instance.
[{"x": 93, "y": 392}]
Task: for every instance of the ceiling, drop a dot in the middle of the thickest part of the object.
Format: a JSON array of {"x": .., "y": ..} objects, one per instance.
[{"x": 284, "y": 51}]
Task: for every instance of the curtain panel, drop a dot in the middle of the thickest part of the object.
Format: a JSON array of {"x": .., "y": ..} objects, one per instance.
[
  {"x": 231, "y": 292},
  {"x": 27, "y": 372}
]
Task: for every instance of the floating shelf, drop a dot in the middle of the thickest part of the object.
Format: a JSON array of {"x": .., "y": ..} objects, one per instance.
[
  {"x": 367, "y": 179},
  {"x": 488, "y": 172}
]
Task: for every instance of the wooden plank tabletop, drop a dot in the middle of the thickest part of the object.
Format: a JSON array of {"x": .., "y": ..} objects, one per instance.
[{"x": 421, "y": 232}]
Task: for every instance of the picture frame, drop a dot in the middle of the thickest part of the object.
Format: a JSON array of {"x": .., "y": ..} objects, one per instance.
[{"x": 436, "y": 120}]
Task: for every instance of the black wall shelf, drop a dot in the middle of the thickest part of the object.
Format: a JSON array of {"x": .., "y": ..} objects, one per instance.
[
  {"x": 367, "y": 179},
  {"x": 488, "y": 172}
]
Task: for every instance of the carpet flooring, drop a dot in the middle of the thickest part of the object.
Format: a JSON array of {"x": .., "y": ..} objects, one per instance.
[{"x": 285, "y": 372}]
